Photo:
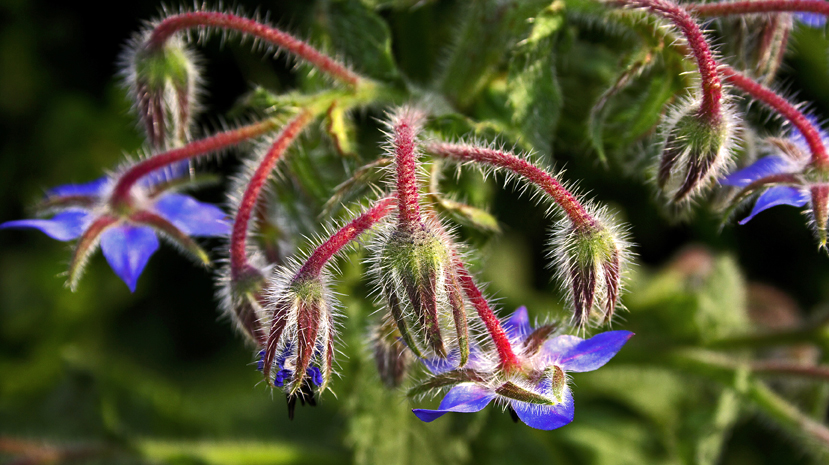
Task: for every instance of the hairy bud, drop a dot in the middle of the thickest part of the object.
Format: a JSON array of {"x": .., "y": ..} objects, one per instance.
[
  {"x": 419, "y": 286},
  {"x": 696, "y": 147},
  {"x": 591, "y": 262},
  {"x": 243, "y": 301},
  {"x": 299, "y": 351},
  {"x": 162, "y": 80}
]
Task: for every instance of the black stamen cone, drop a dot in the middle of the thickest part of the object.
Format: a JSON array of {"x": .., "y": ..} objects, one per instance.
[{"x": 306, "y": 394}]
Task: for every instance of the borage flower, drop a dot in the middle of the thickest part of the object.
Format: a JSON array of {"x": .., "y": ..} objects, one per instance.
[
  {"x": 127, "y": 231},
  {"x": 537, "y": 393},
  {"x": 788, "y": 178}
]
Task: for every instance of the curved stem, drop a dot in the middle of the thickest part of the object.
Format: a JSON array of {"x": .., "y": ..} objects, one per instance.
[
  {"x": 313, "y": 266},
  {"x": 759, "y": 6},
  {"x": 819, "y": 155},
  {"x": 238, "y": 238},
  {"x": 567, "y": 201},
  {"x": 214, "y": 19},
  {"x": 711, "y": 85},
  {"x": 509, "y": 361},
  {"x": 121, "y": 191}
]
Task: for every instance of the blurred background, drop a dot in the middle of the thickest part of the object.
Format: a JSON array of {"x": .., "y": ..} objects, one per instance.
[{"x": 104, "y": 376}]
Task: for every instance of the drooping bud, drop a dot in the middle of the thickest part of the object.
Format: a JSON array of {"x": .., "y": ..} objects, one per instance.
[
  {"x": 162, "y": 80},
  {"x": 695, "y": 149},
  {"x": 299, "y": 351},
  {"x": 417, "y": 283},
  {"x": 390, "y": 354},
  {"x": 591, "y": 262}
]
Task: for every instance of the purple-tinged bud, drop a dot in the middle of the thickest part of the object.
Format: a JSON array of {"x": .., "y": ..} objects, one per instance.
[
  {"x": 591, "y": 261},
  {"x": 299, "y": 351},
  {"x": 417, "y": 283},
  {"x": 696, "y": 148},
  {"x": 390, "y": 354},
  {"x": 162, "y": 80}
]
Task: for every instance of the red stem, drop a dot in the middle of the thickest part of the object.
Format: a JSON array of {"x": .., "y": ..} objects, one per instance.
[
  {"x": 238, "y": 238},
  {"x": 405, "y": 151},
  {"x": 711, "y": 85},
  {"x": 313, "y": 266},
  {"x": 567, "y": 201},
  {"x": 205, "y": 19},
  {"x": 121, "y": 191},
  {"x": 819, "y": 156},
  {"x": 759, "y": 6},
  {"x": 509, "y": 361}
]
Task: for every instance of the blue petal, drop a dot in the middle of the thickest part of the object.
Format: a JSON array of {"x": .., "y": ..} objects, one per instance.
[
  {"x": 780, "y": 195},
  {"x": 193, "y": 217},
  {"x": 811, "y": 19},
  {"x": 518, "y": 326},
  {"x": 759, "y": 169},
  {"x": 546, "y": 417},
  {"x": 93, "y": 188},
  {"x": 127, "y": 249},
  {"x": 464, "y": 398},
  {"x": 572, "y": 353},
  {"x": 64, "y": 226},
  {"x": 168, "y": 173}
]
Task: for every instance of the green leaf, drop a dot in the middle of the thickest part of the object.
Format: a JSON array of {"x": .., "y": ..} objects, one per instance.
[
  {"x": 533, "y": 90},
  {"x": 361, "y": 36},
  {"x": 489, "y": 30}
]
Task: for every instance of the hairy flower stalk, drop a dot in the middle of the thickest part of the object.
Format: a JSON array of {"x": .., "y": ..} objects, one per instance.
[
  {"x": 589, "y": 250},
  {"x": 121, "y": 192},
  {"x": 299, "y": 352},
  {"x": 243, "y": 288},
  {"x": 169, "y": 26},
  {"x": 820, "y": 158},
  {"x": 714, "y": 9}
]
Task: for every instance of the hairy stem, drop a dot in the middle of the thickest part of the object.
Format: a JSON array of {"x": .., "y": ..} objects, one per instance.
[
  {"x": 214, "y": 19},
  {"x": 405, "y": 127},
  {"x": 759, "y": 6},
  {"x": 222, "y": 140},
  {"x": 313, "y": 266},
  {"x": 710, "y": 80},
  {"x": 560, "y": 195},
  {"x": 238, "y": 246},
  {"x": 506, "y": 356},
  {"x": 819, "y": 156}
]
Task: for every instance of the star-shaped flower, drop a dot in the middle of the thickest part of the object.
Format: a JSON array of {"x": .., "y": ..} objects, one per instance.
[
  {"x": 786, "y": 174},
  {"x": 127, "y": 232},
  {"x": 538, "y": 393}
]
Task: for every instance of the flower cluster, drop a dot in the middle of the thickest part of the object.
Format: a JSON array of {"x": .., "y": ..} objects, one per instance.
[{"x": 431, "y": 307}]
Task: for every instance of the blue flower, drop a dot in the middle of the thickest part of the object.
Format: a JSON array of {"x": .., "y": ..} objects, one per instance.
[
  {"x": 783, "y": 171},
  {"x": 815, "y": 20},
  {"x": 538, "y": 394},
  {"x": 128, "y": 234}
]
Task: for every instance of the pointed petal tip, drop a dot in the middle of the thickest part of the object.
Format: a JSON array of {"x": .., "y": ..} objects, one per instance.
[
  {"x": 427, "y": 416},
  {"x": 127, "y": 249}
]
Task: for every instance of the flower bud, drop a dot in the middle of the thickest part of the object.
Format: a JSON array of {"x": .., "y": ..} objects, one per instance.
[
  {"x": 390, "y": 354},
  {"x": 162, "y": 80},
  {"x": 419, "y": 286},
  {"x": 299, "y": 351},
  {"x": 696, "y": 148},
  {"x": 591, "y": 262}
]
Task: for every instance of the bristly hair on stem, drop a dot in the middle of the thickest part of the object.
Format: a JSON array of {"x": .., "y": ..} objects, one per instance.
[{"x": 204, "y": 21}]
